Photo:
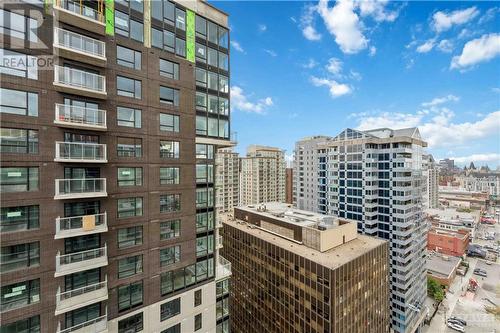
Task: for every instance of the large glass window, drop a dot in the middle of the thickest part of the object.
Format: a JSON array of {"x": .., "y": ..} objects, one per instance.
[
  {"x": 129, "y": 266},
  {"x": 127, "y": 27},
  {"x": 204, "y": 197},
  {"x": 169, "y": 69},
  {"x": 129, "y": 147},
  {"x": 128, "y": 87},
  {"x": 213, "y": 104},
  {"x": 212, "y": 33},
  {"x": 223, "y": 106},
  {"x": 82, "y": 315},
  {"x": 128, "y": 207},
  {"x": 18, "y": 26},
  {"x": 170, "y": 255},
  {"x": 204, "y": 245},
  {"x": 204, "y": 221},
  {"x": 173, "y": 329},
  {"x": 170, "y": 309},
  {"x": 223, "y": 61},
  {"x": 169, "y": 122},
  {"x": 201, "y": 77},
  {"x": 128, "y": 117},
  {"x": 201, "y": 53},
  {"x": 18, "y": 179},
  {"x": 18, "y": 295},
  {"x": 180, "y": 19},
  {"x": 18, "y": 141},
  {"x": 128, "y": 57},
  {"x": 28, "y": 325},
  {"x": 223, "y": 84},
  {"x": 222, "y": 288},
  {"x": 19, "y": 218},
  {"x": 169, "y": 96},
  {"x": 223, "y": 37},
  {"x": 170, "y": 229},
  {"x": 129, "y": 296},
  {"x": 213, "y": 81},
  {"x": 170, "y": 203},
  {"x": 131, "y": 324},
  {"x": 19, "y": 256},
  {"x": 18, "y": 64},
  {"x": 169, "y": 149},
  {"x": 204, "y": 151},
  {"x": 18, "y": 102},
  {"x": 169, "y": 175},
  {"x": 222, "y": 308},
  {"x": 201, "y": 125},
  {"x": 129, "y": 237},
  {"x": 204, "y": 173},
  {"x": 212, "y": 57},
  {"x": 201, "y": 27},
  {"x": 201, "y": 101},
  {"x": 129, "y": 176}
]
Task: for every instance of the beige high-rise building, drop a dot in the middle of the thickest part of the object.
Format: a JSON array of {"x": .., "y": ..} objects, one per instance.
[
  {"x": 262, "y": 176},
  {"x": 227, "y": 176}
]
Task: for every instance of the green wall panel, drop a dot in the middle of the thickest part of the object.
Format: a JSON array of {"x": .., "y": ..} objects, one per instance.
[
  {"x": 110, "y": 17},
  {"x": 190, "y": 33}
]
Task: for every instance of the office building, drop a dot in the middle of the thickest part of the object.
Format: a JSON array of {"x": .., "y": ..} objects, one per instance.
[
  {"x": 227, "y": 175},
  {"x": 108, "y": 143},
  {"x": 297, "y": 271},
  {"x": 446, "y": 164},
  {"x": 375, "y": 179},
  {"x": 262, "y": 175}
]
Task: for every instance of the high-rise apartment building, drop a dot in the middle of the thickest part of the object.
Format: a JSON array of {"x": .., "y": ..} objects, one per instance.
[
  {"x": 289, "y": 185},
  {"x": 374, "y": 178},
  {"x": 297, "y": 271},
  {"x": 262, "y": 175},
  {"x": 227, "y": 180},
  {"x": 431, "y": 181},
  {"x": 108, "y": 142}
]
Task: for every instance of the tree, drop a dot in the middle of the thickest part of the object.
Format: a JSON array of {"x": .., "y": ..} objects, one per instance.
[{"x": 435, "y": 289}]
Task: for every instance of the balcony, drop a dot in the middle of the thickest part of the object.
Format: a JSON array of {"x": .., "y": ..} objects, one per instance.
[
  {"x": 80, "y": 117},
  {"x": 79, "y": 47},
  {"x": 97, "y": 325},
  {"x": 80, "y": 188},
  {"x": 80, "y": 152},
  {"x": 77, "y": 82},
  {"x": 222, "y": 269},
  {"x": 218, "y": 242},
  {"x": 80, "y": 261},
  {"x": 77, "y": 14},
  {"x": 81, "y": 297},
  {"x": 80, "y": 225},
  {"x": 220, "y": 142}
]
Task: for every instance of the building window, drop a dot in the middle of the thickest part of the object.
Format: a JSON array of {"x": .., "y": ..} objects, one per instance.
[
  {"x": 204, "y": 221},
  {"x": 201, "y": 125},
  {"x": 212, "y": 57},
  {"x": 204, "y": 197},
  {"x": 204, "y": 173},
  {"x": 169, "y": 96},
  {"x": 170, "y": 309},
  {"x": 204, "y": 151},
  {"x": 18, "y": 141},
  {"x": 18, "y": 179},
  {"x": 129, "y": 147},
  {"x": 204, "y": 245},
  {"x": 197, "y": 297},
  {"x": 128, "y": 237},
  {"x": 213, "y": 81},
  {"x": 19, "y": 218},
  {"x": 223, "y": 61},
  {"x": 223, "y": 37},
  {"x": 129, "y": 176},
  {"x": 222, "y": 308},
  {"x": 131, "y": 324},
  {"x": 128, "y": 117},
  {"x": 169, "y": 176},
  {"x": 201, "y": 77},
  {"x": 18, "y": 102},
  {"x": 128, "y": 57},
  {"x": 18, "y": 26},
  {"x": 28, "y": 325},
  {"x": 180, "y": 19},
  {"x": 201, "y": 101},
  {"x": 173, "y": 329},
  {"x": 170, "y": 203},
  {"x": 201, "y": 53},
  {"x": 222, "y": 288},
  {"x": 19, "y": 256},
  {"x": 169, "y": 149},
  {"x": 18, "y": 295},
  {"x": 169, "y": 122},
  {"x": 180, "y": 47},
  {"x": 197, "y": 322},
  {"x": 18, "y": 64},
  {"x": 129, "y": 207},
  {"x": 129, "y": 296},
  {"x": 163, "y": 39},
  {"x": 170, "y": 229},
  {"x": 170, "y": 255},
  {"x": 128, "y": 87},
  {"x": 127, "y": 27},
  {"x": 201, "y": 27},
  {"x": 129, "y": 266},
  {"x": 169, "y": 69}
]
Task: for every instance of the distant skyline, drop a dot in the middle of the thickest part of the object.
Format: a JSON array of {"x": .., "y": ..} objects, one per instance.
[{"x": 314, "y": 68}]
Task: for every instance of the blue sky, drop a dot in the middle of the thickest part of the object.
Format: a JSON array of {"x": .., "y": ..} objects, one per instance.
[{"x": 309, "y": 68}]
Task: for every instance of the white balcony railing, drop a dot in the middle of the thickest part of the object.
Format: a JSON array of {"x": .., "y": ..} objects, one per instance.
[
  {"x": 82, "y": 117},
  {"x": 75, "y": 226},
  {"x": 97, "y": 325},
  {"x": 219, "y": 242},
  {"x": 79, "y": 9},
  {"x": 80, "y": 188},
  {"x": 81, "y": 261},
  {"x": 76, "y": 78},
  {"x": 223, "y": 268},
  {"x": 79, "y": 43},
  {"x": 80, "y": 152},
  {"x": 81, "y": 297}
]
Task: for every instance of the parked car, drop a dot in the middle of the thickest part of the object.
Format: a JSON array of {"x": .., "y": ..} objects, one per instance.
[
  {"x": 480, "y": 272},
  {"x": 460, "y": 320},
  {"x": 455, "y": 327}
]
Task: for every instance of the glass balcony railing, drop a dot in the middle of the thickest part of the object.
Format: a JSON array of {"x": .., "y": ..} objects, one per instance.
[
  {"x": 80, "y": 188},
  {"x": 80, "y": 297},
  {"x": 223, "y": 268},
  {"x": 80, "y": 152},
  {"x": 77, "y": 116},
  {"x": 80, "y": 225},
  {"x": 81, "y": 261},
  {"x": 97, "y": 325},
  {"x": 80, "y": 10},
  {"x": 62, "y": 296},
  {"x": 219, "y": 242},
  {"x": 76, "y": 78},
  {"x": 79, "y": 43}
]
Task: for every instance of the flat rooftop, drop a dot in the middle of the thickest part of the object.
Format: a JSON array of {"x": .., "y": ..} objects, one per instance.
[
  {"x": 332, "y": 258},
  {"x": 442, "y": 265},
  {"x": 448, "y": 233},
  {"x": 450, "y": 214}
]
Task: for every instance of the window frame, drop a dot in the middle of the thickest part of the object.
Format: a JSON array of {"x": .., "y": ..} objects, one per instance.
[
  {"x": 134, "y": 236},
  {"x": 135, "y": 208},
  {"x": 171, "y": 203},
  {"x": 129, "y": 292},
  {"x": 137, "y": 91},
  {"x": 29, "y": 97},
  {"x": 137, "y": 179},
  {"x": 30, "y": 141},
  {"x": 170, "y": 229},
  {"x": 137, "y": 263},
  {"x": 175, "y": 127},
  {"x": 136, "y": 62},
  {"x": 30, "y": 172},
  {"x": 137, "y": 117},
  {"x": 170, "y": 309}
]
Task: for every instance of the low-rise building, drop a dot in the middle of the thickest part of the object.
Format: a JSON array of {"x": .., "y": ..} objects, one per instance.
[
  {"x": 452, "y": 243},
  {"x": 449, "y": 219},
  {"x": 459, "y": 198},
  {"x": 442, "y": 268}
]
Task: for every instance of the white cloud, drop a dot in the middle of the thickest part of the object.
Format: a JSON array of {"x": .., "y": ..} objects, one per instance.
[
  {"x": 336, "y": 89},
  {"x": 334, "y": 66},
  {"x": 271, "y": 53},
  {"x": 477, "y": 50},
  {"x": 311, "y": 63},
  {"x": 240, "y": 101},
  {"x": 445, "y": 46},
  {"x": 489, "y": 15},
  {"x": 477, "y": 158},
  {"x": 262, "y": 27},
  {"x": 355, "y": 75},
  {"x": 442, "y": 21},
  {"x": 427, "y": 46},
  {"x": 373, "y": 51},
  {"x": 237, "y": 46},
  {"x": 441, "y": 100},
  {"x": 377, "y": 10},
  {"x": 307, "y": 23},
  {"x": 310, "y": 33},
  {"x": 344, "y": 24}
]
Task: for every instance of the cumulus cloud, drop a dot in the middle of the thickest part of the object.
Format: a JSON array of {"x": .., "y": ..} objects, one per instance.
[
  {"x": 478, "y": 158},
  {"x": 442, "y": 21},
  {"x": 334, "y": 66},
  {"x": 427, "y": 46},
  {"x": 477, "y": 50},
  {"x": 307, "y": 23},
  {"x": 445, "y": 46},
  {"x": 378, "y": 10},
  {"x": 237, "y": 46},
  {"x": 240, "y": 101},
  {"x": 441, "y": 100},
  {"x": 310, "y": 33},
  {"x": 336, "y": 89}
]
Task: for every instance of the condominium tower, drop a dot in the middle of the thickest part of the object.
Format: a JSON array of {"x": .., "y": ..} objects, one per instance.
[
  {"x": 262, "y": 175},
  {"x": 112, "y": 113},
  {"x": 375, "y": 179},
  {"x": 431, "y": 181},
  {"x": 227, "y": 180},
  {"x": 297, "y": 271}
]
